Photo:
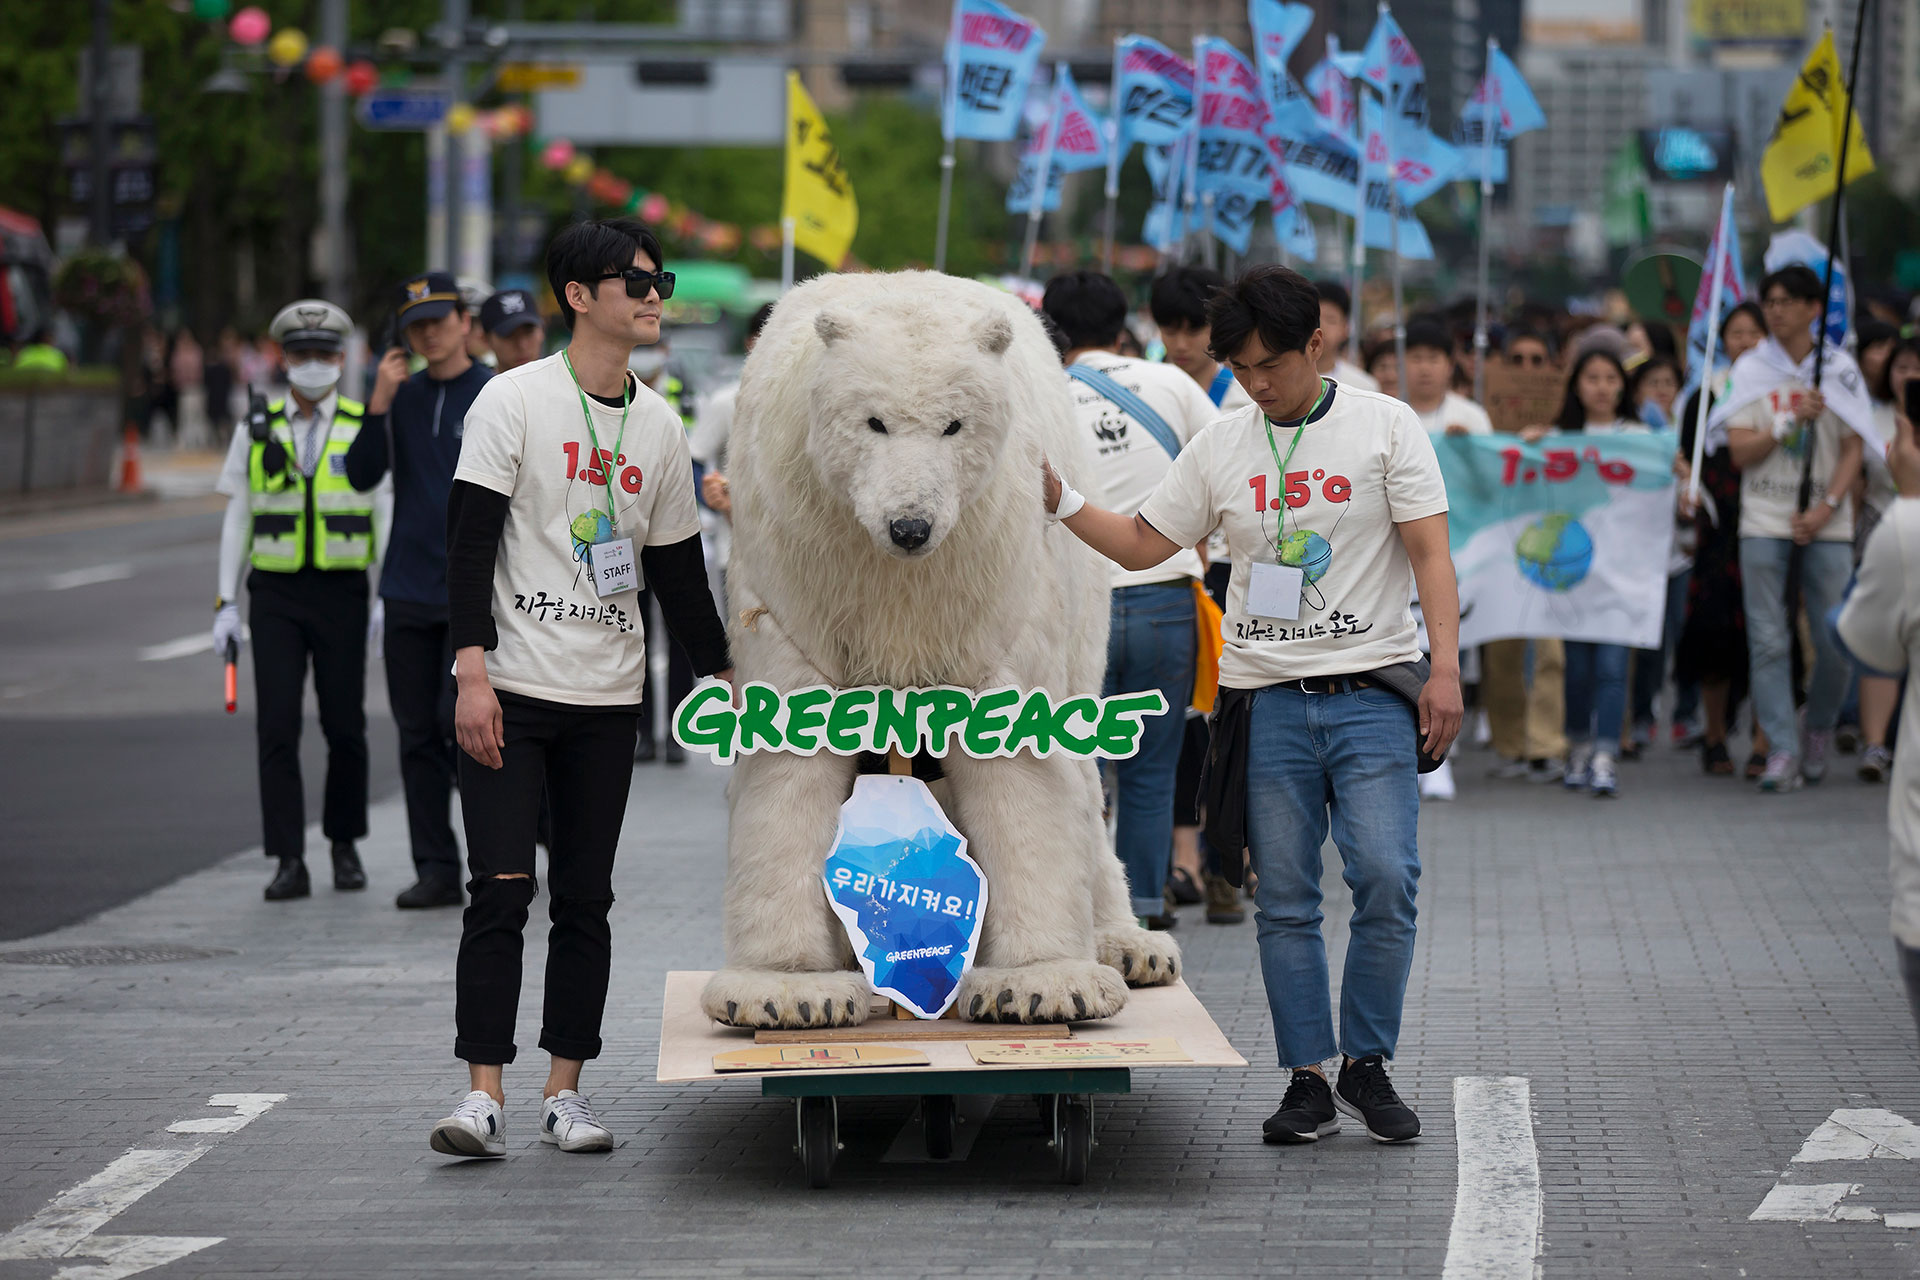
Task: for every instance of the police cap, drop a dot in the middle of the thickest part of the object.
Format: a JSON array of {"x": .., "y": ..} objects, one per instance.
[
  {"x": 508, "y": 310},
  {"x": 311, "y": 324},
  {"x": 428, "y": 296}
]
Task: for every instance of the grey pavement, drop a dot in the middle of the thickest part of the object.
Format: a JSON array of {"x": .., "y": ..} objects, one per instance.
[{"x": 1692, "y": 978}]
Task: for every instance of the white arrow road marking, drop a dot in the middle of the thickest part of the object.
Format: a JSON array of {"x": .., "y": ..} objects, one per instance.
[
  {"x": 251, "y": 1106},
  {"x": 1496, "y": 1207},
  {"x": 66, "y": 1227},
  {"x": 87, "y": 577},
  {"x": 1820, "y": 1202},
  {"x": 1862, "y": 1134}
]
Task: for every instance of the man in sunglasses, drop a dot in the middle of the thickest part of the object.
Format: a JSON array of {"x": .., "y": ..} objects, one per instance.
[{"x": 574, "y": 489}]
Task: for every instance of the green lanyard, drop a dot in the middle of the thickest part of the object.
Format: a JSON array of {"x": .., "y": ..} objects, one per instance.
[
  {"x": 1278, "y": 461},
  {"x": 607, "y": 466}
]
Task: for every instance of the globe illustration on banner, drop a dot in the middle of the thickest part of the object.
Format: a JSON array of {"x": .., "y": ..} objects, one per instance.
[
  {"x": 1308, "y": 552},
  {"x": 1555, "y": 552}
]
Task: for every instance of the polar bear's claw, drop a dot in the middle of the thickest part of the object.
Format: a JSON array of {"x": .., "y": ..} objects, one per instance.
[
  {"x": 1051, "y": 991},
  {"x": 767, "y": 998},
  {"x": 1144, "y": 958}
]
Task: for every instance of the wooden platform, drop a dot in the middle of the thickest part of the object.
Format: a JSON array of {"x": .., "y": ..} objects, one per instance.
[{"x": 689, "y": 1039}]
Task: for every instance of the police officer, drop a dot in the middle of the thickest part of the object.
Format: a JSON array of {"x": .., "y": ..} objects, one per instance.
[{"x": 310, "y": 538}]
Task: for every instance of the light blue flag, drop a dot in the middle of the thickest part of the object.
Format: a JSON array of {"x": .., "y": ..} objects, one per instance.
[
  {"x": 1232, "y": 218},
  {"x": 1733, "y": 291},
  {"x": 1080, "y": 141},
  {"x": 1233, "y": 117},
  {"x": 1277, "y": 31},
  {"x": 991, "y": 55},
  {"x": 1377, "y": 232},
  {"x": 1504, "y": 97},
  {"x": 1153, "y": 96},
  {"x": 1390, "y": 65},
  {"x": 1474, "y": 156},
  {"x": 1293, "y": 232},
  {"x": 1165, "y": 222},
  {"x": 1422, "y": 164}
]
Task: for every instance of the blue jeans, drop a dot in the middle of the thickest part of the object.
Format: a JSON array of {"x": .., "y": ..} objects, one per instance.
[
  {"x": 1596, "y": 693},
  {"x": 1348, "y": 757},
  {"x": 1150, "y": 646},
  {"x": 1763, "y": 583}
]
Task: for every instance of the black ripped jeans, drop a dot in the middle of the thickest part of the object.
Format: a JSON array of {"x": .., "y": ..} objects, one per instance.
[{"x": 583, "y": 757}]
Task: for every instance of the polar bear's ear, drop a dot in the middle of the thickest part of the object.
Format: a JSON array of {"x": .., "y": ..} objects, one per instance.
[
  {"x": 994, "y": 334},
  {"x": 831, "y": 327}
]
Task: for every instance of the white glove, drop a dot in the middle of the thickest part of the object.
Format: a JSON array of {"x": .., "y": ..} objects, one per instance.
[
  {"x": 377, "y": 625},
  {"x": 1070, "y": 502},
  {"x": 226, "y": 631}
]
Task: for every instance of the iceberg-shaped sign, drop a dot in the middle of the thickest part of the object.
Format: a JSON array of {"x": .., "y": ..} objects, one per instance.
[{"x": 911, "y": 899}]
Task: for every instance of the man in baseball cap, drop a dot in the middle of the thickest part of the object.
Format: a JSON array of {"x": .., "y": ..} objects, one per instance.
[{"x": 511, "y": 321}]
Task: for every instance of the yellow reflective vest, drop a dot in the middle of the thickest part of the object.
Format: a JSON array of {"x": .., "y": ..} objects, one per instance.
[{"x": 321, "y": 520}]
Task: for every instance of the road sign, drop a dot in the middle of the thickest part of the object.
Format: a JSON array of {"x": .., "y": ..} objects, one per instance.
[
  {"x": 404, "y": 108},
  {"x": 525, "y": 77}
]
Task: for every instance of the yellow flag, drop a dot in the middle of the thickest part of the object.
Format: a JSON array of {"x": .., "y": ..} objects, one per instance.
[
  {"x": 819, "y": 196},
  {"x": 1800, "y": 164}
]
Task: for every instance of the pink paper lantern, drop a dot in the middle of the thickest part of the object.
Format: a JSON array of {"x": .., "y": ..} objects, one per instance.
[
  {"x": 250, "y": 25},
  {"x": 558, "y": 154},
  {"x": 653, "y": 208}
]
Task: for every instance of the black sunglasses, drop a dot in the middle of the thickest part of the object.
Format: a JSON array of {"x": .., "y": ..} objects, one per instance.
[{"x": 640, "y": 283}]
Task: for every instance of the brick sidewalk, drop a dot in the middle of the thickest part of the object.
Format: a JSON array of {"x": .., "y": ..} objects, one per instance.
[{"x": 1692, "y": 977}]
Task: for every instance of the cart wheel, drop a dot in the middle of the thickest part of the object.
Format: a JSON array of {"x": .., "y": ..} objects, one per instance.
[
  {"x": 1049, "y": 1104},
  {"x": 819, "y": 1138},
  {"x": 1074, "y": 1145},
  {"x": 938, "y": 1114}
]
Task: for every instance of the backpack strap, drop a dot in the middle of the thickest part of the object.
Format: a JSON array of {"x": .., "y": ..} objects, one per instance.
[
  {"x": 1130, "y": 404},
  {"x": 1221, "y": 381}
]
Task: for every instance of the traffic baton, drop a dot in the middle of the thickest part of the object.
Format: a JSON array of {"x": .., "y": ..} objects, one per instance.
[{"x": 233, "y": 678}]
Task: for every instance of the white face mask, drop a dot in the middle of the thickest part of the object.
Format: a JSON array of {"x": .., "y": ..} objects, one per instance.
[{"x": 313, "y": 378}]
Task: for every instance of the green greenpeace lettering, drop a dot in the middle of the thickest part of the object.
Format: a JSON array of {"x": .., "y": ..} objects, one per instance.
[{"x": 990, "y": 724}]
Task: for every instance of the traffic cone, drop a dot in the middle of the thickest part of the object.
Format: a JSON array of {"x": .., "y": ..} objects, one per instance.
[{"x": 130, "y": 461}]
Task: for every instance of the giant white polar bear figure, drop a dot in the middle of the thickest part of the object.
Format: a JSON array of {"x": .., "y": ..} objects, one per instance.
[{"x": 885, "y": 467}]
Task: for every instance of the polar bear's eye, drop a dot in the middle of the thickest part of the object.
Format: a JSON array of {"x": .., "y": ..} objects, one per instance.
[
  {"x": 951, "y": 427},
  {"x": 877, "y": 425}
]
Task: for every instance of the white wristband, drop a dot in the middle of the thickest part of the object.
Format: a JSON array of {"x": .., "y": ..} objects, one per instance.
[{"x": 1069, "y": 504}]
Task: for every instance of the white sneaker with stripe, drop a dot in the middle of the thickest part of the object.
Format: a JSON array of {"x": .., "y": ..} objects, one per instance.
[
  {"x": 568, "y": 1122},
  {"x": 477, "y": 1127}
]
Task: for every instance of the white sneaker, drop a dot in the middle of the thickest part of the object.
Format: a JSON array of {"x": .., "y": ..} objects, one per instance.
[
  {"x": 567, "y": 1121},
  {"x": 477, "y": 1127},
  {"x": 1579, "y": 763},
  {"x": 1438, "y": 785},
  {"x": 1601, "y": 776}
]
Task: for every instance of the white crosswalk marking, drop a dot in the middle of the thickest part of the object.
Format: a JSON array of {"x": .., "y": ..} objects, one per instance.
[{"x": 1496, "y": 1206}]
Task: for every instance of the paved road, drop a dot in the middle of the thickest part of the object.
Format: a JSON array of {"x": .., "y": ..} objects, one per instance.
[
  {"x": 1691, "y": 980},
  {"x": 120, "y": 772}
]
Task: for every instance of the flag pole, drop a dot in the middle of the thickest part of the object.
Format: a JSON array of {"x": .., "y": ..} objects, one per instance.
[
  {"x": 1833, "y": 240},
  {"x": 1189, "y": 197},
  {"x": 1487, "y": 130},
  {"x": 1393, "y": 240},
  {"x": 946, "y": 199},
  {"x": 1718, "y": 265},
  {"x": 1113, "y": 160},
  {"x": 947, "y": 91},
  {"x": 1037, "y": 201}
]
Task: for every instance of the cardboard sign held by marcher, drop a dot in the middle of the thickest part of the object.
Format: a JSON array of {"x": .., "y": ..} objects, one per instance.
[{"x": 1520, "y": 396}]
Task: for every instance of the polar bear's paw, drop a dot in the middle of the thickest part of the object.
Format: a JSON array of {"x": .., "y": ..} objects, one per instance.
[
  {"x": 1143, "y": 957},
  {"x": 1051, "y": 991},
  {"x": 770, "y": 998}
]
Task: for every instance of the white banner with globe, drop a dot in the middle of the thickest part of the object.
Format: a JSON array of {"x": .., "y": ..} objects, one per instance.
[{"x": 1569, "y": 537}]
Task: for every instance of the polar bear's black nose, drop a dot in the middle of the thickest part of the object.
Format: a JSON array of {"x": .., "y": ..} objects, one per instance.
[{"x": 908, "y": 534}]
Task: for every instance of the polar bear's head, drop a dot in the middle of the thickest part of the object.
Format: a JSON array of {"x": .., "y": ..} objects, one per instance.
[{"x": 907, "y": 419}]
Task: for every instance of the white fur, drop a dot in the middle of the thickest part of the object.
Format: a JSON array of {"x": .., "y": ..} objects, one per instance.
[{"x": 820, "y": 593}]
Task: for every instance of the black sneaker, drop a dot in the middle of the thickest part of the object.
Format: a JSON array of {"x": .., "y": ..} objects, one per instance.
[
  {"x": 1367, "y": 1095},
  {"x": 1306, "y": 1114}
]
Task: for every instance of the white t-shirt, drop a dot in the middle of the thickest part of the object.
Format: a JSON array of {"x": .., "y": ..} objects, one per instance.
[
  {"x": 1129, "y": 460},
  {"x": 1363, "y": 465},
  {"x": 1770, "y": 488},
  {"x": 1352, "y": 375},
  {"x": 1880, "y": 624},
  {"x": 1456, "y": 411},
  {"x": 526, "y": 438}
]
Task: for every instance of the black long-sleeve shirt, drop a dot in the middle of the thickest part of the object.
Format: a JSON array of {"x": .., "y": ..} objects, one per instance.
[{"x": 677, "y": 573}]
